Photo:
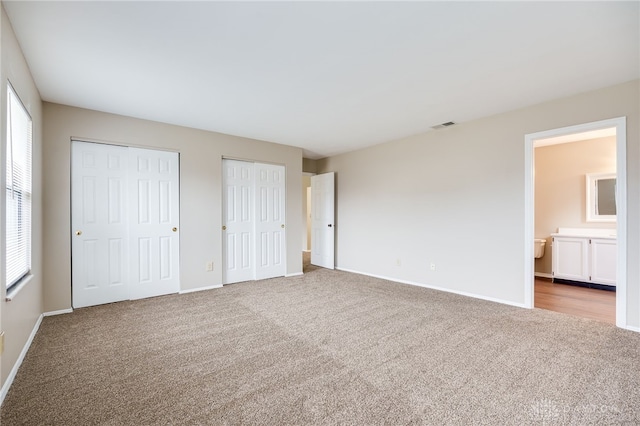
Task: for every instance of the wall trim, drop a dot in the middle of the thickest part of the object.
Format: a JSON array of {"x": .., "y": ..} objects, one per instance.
[
  {"x": 60, "y": 312},
  {"x": 433, "y": 287},
  {"x": 632, "y": 328},
  {"x": 195, "y": 290},
  {"x": 295, "y": 274},
  {"x": 543, "y": 275},
  {"x": 16, "y": 366}
]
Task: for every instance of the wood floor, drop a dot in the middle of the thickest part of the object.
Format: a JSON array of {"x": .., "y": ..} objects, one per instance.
[{"x": 583, "y": 302}]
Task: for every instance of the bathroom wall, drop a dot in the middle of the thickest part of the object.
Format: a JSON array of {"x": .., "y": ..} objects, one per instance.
[{"x": 560, "y": 187}]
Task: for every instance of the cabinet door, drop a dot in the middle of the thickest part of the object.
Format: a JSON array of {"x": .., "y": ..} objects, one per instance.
[
  {"x": 571, "y": 258},
  {"x": 603, "y": 261}
]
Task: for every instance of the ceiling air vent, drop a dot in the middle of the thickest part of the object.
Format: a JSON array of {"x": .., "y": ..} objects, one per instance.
[{"x": 443, "y": 125}]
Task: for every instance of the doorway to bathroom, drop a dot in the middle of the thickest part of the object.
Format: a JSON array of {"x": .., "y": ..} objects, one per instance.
[
  {"x": 580, "y": 261},
  {"x": 306, "y": 221}
]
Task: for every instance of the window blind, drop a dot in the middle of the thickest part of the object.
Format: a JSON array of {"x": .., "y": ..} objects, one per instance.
[{"x": 18, "y": 194}]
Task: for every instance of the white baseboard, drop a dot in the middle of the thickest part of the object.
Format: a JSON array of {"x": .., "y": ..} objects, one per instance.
[
  {"x": 632, "y": 328},
  {"x": 16, "y": 366},
  {"x": 461, "y": 293},
  {"x": 295, "y": 274},
  {"x": 195, "y": 290},
  {"x": 543, "y": 275},
  {"x": 60, "y": 312}
]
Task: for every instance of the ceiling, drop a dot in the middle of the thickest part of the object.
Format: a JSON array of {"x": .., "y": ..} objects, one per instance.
[
  {"x": 576, "y": 137},
  {"x": 329, "y": 77}
]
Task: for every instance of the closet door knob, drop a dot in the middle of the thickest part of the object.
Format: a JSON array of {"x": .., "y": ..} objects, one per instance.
[
  {"x": 224, "y": 228},
  {"x": 78, "y": 233},
  {"x": 174, "y": 229},
  {"x": 329, "y": 225}
]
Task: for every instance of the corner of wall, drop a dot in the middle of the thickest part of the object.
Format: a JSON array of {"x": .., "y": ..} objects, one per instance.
[{"x": 309, "y": 165}]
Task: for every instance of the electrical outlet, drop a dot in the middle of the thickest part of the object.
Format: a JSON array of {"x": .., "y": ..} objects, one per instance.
[
  {"x": 433, "y": 266},
  {"x": 209, "y": 266},
  {"x": 398, "y": 262}
]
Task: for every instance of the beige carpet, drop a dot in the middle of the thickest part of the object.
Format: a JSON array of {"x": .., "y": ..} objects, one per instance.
[{"x": 325, "y": 348}]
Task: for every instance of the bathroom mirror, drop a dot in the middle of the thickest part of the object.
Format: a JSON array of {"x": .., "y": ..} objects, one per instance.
[{"x": 601, "y": 197}]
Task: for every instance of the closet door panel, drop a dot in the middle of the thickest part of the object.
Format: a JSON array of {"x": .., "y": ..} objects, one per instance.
[
  {"x": 99, "y": 239},
  {"x": 270, "y": 220},
  {"x": 238, "y": 222},
  {"x": 154, "y": 222}
]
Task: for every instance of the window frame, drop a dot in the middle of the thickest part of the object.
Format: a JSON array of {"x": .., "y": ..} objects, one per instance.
[
  {"x": 592, "y": 213},
  {"x": 24, "y": 191}
]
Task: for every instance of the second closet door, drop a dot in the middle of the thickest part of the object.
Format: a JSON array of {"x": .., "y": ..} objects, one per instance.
[
  {"x": 253, "y": 221},
  {"x": 269, "y": 229}
]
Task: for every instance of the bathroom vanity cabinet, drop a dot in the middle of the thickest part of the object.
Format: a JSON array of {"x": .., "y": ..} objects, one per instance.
[{"x": 585, "y": 258}]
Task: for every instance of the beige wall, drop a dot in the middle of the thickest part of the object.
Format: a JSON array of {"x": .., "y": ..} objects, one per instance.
[
  {"x": 560, "y": 187},
  {"x": 309, "y": 165},
  {"x": 455, "y": 197},
  {"x": 19, "y": 316},
  {"x": 200, "y": 190}
]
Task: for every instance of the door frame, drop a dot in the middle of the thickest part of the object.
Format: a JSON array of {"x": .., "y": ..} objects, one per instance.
[{"x": 620, "y": 124}]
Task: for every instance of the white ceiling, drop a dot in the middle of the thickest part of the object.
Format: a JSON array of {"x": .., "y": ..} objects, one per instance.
[{"x": 329, "y": 77}]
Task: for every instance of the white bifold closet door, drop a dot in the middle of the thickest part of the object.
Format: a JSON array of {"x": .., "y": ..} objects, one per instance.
[
  {"x": 124, "y": 216},
  {"x": 153, "y": 222},
  {"x": 253, "y": 221},
  {"x": 238, "y": 221},
  {"x": 100, "y": 224}
]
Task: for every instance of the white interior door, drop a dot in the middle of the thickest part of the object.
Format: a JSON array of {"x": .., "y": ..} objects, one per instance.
[
  {"x": 322, "y": 220},
  {"x": 154, "y": 219},
  {"x": 237, "y": 221},
  {"x": 99, "y": 244},
  {"x": 269, "y": 220},
  {"x": 124, "y": 208}
]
